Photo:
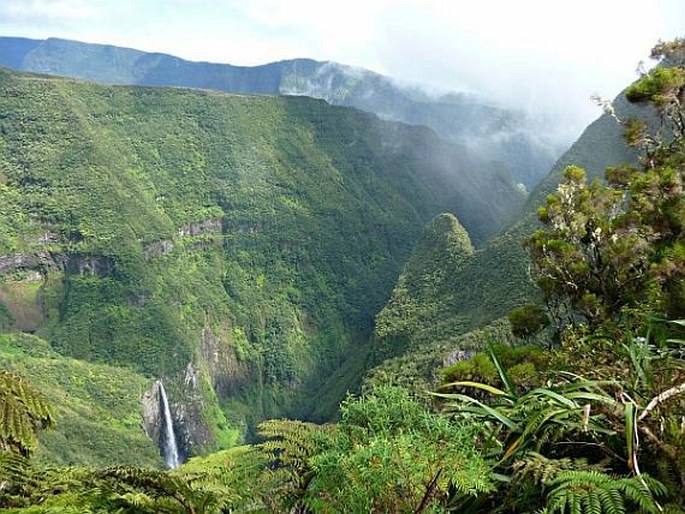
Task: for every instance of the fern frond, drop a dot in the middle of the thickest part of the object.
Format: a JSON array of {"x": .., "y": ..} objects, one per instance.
[
  {"x": 542, "y": 469},
  {"x": 291, "y": 442},
  {"x": 154, "y": 490},
  {"x": 23, "y": 412},
  {"x": 291, "y": 445},
  {"x": 13, "y": 468},
  {"x": 593, "y": 492}
]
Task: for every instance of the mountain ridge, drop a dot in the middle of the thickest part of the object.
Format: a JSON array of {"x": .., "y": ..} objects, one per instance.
[{"x": 495, "y": 132}]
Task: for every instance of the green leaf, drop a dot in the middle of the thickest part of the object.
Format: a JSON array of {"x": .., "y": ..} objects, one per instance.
[
  {"x": 502, "y": 373},
  {"x": 630, "y": 432},
  {"x": 478, "y": 385},
  {"x": 555, "y": 396},
  {"x": 494, "y": 413},
  {"x": 591, "y": 397}
]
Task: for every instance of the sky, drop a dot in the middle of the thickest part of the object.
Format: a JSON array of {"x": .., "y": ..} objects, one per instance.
[{"x": 545, "y": 56}]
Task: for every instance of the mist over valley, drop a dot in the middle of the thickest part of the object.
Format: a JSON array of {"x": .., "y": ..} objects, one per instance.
[{"x": 296, "y": 284}]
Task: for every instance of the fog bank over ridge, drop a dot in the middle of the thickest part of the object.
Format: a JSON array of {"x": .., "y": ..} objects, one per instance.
[
  {"x": 509, "y": 140},
  {"x": 544, "y": 58}
]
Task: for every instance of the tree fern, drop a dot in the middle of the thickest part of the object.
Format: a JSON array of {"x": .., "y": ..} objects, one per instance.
[
  {"x": 15, "y": 478},
  {"x": 23, "y": 412},
  {"x": 593, "y": 492},
  {"x": 149, "y": 490},
  {"x": 235, "y": 476},
  {"x": 290, "y": 442},
  {"x": 290, "y": 446}
]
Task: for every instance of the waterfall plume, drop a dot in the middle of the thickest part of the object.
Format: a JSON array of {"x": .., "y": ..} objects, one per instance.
[{"x": 170, "y": 447}]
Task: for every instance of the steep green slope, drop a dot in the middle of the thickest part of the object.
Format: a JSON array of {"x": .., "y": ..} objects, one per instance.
[
  {"x": 238, "y": 246},
  {"x": 486, "y": 284},
  {"x": 96, "y": 407},
  {"x": 421, "y": 303},
  {"x": 494, "y": 132},
  {"x": 498, "y": 274}
]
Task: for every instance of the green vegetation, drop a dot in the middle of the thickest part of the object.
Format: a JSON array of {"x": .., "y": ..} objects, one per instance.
[
  {"x": 586, "y": 420},
  {"x": 588, "y": 436},
  {"x": 253, "y": 237},
  {"x": 419, "y": 369},
  {"x": 95, "y": 409},
  {"x": 387, "y": 454},
  {"x": 495, "y": 279},
  {"x": 583, "y": 436},
  {"x": 528, "y": 320},
  {"x": 608, "y": 250},
  {"x": 523, "y": 365},
  {"x": 418, "y": 310},
  {"x": 575, "y": 429},
  {"x": 23, "y": 410},
  {"x": 487, "y": 132}
]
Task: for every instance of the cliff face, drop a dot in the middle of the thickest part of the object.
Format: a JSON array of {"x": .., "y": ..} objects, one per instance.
[{"x": 191, "y": 426}]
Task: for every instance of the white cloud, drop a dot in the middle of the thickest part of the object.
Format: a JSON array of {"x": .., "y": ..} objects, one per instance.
[
  {"x": 547, "y": 57},
  {"x": 48, "y": 10}
]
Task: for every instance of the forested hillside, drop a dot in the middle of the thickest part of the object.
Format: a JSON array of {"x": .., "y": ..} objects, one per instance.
[
  {"x": 237, "y": 246},
  {"x": 480, "y": 287},
  {"x": 177, "y": 266},
  {"x": 493, "y": 132}
]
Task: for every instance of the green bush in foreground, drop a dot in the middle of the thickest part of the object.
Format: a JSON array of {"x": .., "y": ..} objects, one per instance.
[{"x": 388, "y": 453}]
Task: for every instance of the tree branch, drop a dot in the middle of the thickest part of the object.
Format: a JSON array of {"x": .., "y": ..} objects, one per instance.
[
  {"x": 668, "y": 393},
  {"x": 430, "y": 489}
]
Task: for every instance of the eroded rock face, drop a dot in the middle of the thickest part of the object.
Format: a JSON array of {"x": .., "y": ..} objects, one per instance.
[
  {"x": 37, "y": 261},
  {"x": 158, "y": 248},
  {"x": 44, "y": 262},
  {"x": 217, "y": 372},
  {"x": 89, "y": 265},
  {"x": 153, "y": 420},
  {"x": 458, "y": 355},
  {"x": 202, "y": 227},
  {"x": 226, "y": 371},
  {"x": 166, "y": 246},
  {"x": 192, "y": 430},
  {"x": 152, "y": 416},
  {"x": 48, "y": 237}
]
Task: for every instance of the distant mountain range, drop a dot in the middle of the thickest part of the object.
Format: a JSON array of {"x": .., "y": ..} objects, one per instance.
[{"x": 495, "y": 132}]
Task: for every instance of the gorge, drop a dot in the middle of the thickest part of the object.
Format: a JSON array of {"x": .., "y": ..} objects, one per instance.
[
  {"x": 232, "y": 302},
  {"x": 250, "y": 238}
]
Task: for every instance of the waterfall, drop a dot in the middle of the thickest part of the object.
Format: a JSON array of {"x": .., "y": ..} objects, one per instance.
[{"x": 170, "y": 450}]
